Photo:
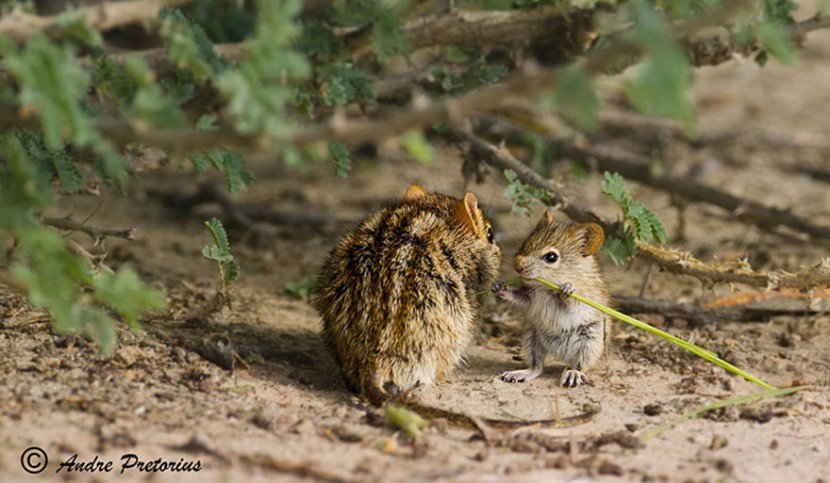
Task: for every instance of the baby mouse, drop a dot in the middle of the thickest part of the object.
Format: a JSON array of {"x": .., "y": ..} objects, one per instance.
[{"x": 574, "y": 333}]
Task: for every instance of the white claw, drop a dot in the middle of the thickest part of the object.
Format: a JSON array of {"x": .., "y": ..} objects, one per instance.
[
  {"x": 573, "y": 378},
  {"x": 518, "y": 376}
]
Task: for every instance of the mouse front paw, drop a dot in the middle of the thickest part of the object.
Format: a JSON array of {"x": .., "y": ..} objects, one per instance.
[
  {"x": 573, "y": 378},
  {"x": 565, "y": 291},
  {"x": 522, "y": 375},
  {"x": 500, "y": 289}
]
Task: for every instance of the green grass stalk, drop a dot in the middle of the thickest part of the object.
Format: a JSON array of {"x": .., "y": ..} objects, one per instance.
[
  {"x": 720, "y": 404},
  {"x": 698, "y": 351}
]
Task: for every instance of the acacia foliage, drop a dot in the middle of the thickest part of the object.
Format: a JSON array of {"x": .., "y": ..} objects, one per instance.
[{"x": 63, "y": 89}]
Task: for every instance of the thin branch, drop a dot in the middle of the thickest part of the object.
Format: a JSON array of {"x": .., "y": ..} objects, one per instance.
[
  {"x": 683, "y": 263},
  {"x": 249, "y": 217},
  {"x": 96, "y": 262},
  {"x": 97, "y": 234},
  {"x": 500, "y": 158},
  {"x": 641, "y": 169},
  {"x": 696, "y": 313},
  {"x": 717, "y": 49},
  {"x": 211, "y": 192},
  {"x": 673, "y": 261},
  {"x": 527, "y": 81},
  {"x": 570, "y": 29},
  {"x": 20, "y": 26}
]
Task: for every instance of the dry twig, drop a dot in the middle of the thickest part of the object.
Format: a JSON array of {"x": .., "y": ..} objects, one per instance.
[
  {"x": 696, "y": 313},
  {"x": 529, "y": 80},
  {"x": 673, "y": 261},
  {"x": 20, "y": 26},
  {"x": 641, "y": 169},
  {"x": 97, "y": 234}
]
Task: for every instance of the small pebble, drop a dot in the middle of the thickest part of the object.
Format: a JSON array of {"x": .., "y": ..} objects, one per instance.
[
  {"x": 718, "y": 442},
  {"x": 653, "y": 409},
  {"x": 609, "y": 468}
]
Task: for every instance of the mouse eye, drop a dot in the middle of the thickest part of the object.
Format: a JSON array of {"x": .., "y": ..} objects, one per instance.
[
  {"x": 490, "y": 237},
  {"x": 550, "y": 257}
]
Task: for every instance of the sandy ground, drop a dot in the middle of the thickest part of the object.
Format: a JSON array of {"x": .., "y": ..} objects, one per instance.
[{"x": 288, "y": 416}]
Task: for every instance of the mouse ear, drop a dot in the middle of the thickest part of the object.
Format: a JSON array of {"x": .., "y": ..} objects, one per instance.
[
  {"x": 592, "y": 235},
  {"x": 548, "y": 217},
  {"x": 468, "y": 213},
  {"x": 413, "y": 193}
]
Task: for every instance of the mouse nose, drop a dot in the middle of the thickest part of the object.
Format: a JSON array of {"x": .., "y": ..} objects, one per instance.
[{"x": 519, "y": 263}]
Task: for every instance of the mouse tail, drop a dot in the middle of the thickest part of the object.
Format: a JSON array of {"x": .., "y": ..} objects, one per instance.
[
  {"x": 379, "y": 391},
  {"x": 481, "y": 424}
]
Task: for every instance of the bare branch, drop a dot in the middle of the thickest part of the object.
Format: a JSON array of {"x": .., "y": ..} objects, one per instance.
[
  {"x": 683, "y": 263},
  {"x": 673, "y": 261},
  {"x": 19, "y": 26},
  {"x": 500, "y": 158},
  {"x": 696, "y": 313},
  {"x": 717, "y": 49},
  {"x": 529, "y": 80},
  {"x": 569, "y": 31},
  {"x": 97, "y": 234},
  {"x": 641, "y": 169},
  {"x": 96, "y": 262}
]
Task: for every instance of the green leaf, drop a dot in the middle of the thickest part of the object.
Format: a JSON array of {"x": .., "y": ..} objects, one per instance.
[
  {"x": 523, "y": 196},
  {"x": 220, "y": 237},
  {"x": 658, "y": 230},
  {"x": 232, "y": 272},
  {"x": 220, "y": 252},
  {"x": 151, "y": 105},
  {"x": 206, "y": 122},
  {"x": 188, "y": 46},
  {"x": 72, "y": 25},
  {"x": 237, "y": 177},
  {"x": 300, "y": 288},
  {"x": 52, "y": 84},
  {"x": 617, "y": 250},
  {"x": 112, "y": 81},
  {"x": 57, "y": 162},
  {"x": 614, "y": 187},
  {"x": 125, "y": 294},
  {"x": 340, "y": 157},
  {"x": 776, "y": 42},
  {"x": 639, "y": 222},
  {"x": 341, "y": 83},
  {"x": 257, "y": 91},
  {"x": 417, "y": 145},
  {"x": 100, "y": 327},
  {"x": 662, "y": 86},
  {"x": 200, "y": 162},
  {"x": 780, "y": 11},
  {"x": 577, "y": 100},
  {"x": 319, "y": 41},
  {"x": 388, "y": 35}
]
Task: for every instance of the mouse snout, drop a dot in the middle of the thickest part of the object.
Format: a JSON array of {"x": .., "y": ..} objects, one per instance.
[{"x": 519, "y": 263}]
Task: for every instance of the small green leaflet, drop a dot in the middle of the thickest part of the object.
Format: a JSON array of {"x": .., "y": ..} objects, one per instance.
[
  {"x": 220, "y": 252},
  {"x": 662, "y": 86},
  {"x": 301, "y": 288},
  {"x": 576, "y": 99},
  {"x": 639, "y": 222},
  {"x": 417, "y": 145},
  {"x": 125, "y": 294},
  {"x": 523, "y": 196},
  {"x": 340, "y": 157},
  {"x": 228, "y": 162}
]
